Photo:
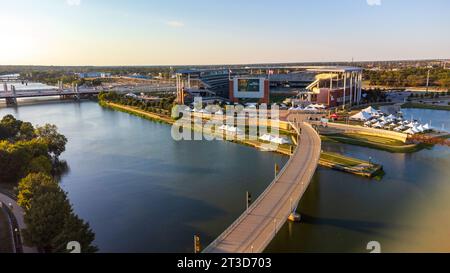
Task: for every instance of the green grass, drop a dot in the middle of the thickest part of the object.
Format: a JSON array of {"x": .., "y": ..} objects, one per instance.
[
  {"x": 374, "y": 142},
  {"x": 5, "y": 233},
  {"x": 426, "y": 106},
  {"x": 341, "y": 160}
]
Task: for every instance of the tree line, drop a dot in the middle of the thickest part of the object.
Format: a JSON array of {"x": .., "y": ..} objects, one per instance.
[
  {"x": 409, "y": 77},
  {"x": 30, "y": 159},
  {"x": 162, "y": 106}
]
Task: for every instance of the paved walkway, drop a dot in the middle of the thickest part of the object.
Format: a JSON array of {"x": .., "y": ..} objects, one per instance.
[
  {"x": 18, "y": 214},
  {"x": 257, "y": 227}
]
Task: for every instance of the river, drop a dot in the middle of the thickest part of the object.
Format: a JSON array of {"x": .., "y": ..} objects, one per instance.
[{"x": 143, "y": 192}]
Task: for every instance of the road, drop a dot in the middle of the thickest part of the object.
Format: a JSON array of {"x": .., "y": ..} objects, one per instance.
[
  {"x": 257, "y": 227},
  {"x": 18, "y": 214}
]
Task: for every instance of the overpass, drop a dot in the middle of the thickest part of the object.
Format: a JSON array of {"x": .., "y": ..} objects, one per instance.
[{"x": 255, "y": 228}]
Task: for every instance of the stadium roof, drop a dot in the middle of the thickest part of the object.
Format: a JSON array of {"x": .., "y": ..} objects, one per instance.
[{"x": 320, "y": 69}]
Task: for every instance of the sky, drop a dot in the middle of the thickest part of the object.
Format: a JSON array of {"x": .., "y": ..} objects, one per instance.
[{"x": 180, "y": 32}]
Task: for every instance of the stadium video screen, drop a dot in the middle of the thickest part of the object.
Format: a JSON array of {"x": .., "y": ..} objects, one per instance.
[{"x": 248, "y": 85}]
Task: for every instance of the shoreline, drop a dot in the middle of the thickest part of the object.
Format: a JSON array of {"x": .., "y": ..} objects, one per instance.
[
  {"x": 285, "y": 151},
  {"x": 412, "y": 105}
]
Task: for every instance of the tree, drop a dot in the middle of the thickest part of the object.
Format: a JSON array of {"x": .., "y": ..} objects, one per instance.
[
  {"x": 40, "y": 164},
  {"x": 26, "y": 131},
  {"x": 45, "y": 219},
  {"x": 56, "y": 142},
  {"x": 74, "y": 229},
  {"x": 15, "y": 159},
  {"x": 34, "y": 185},
  {"x": 51, "y": 223},
  {"x": 9, "y": 127}
]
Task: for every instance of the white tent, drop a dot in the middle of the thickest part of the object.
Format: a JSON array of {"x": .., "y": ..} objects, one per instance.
[
  {"x": 361, "y": 116},
  {"x": 400, "y": 128},
  {"x": 416, "y": 130},
  {"x": 392, "y": 117},
  {"x": 266, "y": 137},
  {"x": 370, "y": 110},
  {"x": 427, "y": 127},
  {"x": 410, "y": 125},
  {"x": 318, "y": 106},
  {"x": 420, "y": 128},
  {"x": 280, "y": 140},
  {"x": 310, "y": 108},
  {"x": 410, "y": 132},
  {"x": 377, "y": 125}
]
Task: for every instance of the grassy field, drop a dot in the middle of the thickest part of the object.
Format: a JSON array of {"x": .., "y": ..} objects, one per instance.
[
  {"x": 138, "y": 112},
  {"x": 374, "y": 142},
  {"x": 350, "y": 165},
  {"x": 5, "y": 233},
  {"x": 342, "y": 160},
  {"x": 426, "y": 106}
]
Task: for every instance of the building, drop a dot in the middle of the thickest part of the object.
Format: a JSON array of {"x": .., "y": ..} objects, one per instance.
[
  {"x": 336, "y": 86},
  {"x": 249, "y": 88},
  {"x": 93, "y": 75},
  {"x": 333, "y": 86}
]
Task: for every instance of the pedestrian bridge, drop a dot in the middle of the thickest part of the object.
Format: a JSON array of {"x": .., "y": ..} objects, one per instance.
[{"x": 253, "y": 231}]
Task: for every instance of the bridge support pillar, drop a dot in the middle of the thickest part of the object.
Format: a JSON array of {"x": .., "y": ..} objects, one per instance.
[
  {"x": 277, "y": 170},
  {"x": 11, "y": 101}
]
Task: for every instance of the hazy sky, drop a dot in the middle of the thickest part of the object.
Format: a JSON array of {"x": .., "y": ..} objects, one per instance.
[{"x": 152, "y": 32}]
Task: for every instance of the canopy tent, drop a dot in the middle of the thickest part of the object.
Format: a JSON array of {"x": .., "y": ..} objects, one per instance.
[
  {"x": 410, "y": 132},
  {"x": 392, "y": 117},
  {"x": 334, "y": 116},
  {"x": 377, "y": 125},
  {"x": 280, "y": 140},
  {"x": 310, "y": 108},
  {"x": 370, "y": 110},
  {"x": 361, "y": 116},
  {"x": 274, "y": 139},
  {"x": 416, "y": 130},
  {"x": 266, "y": 137},
  {"x": 427, "y": 127},
  {"x": 318, "y": 106},
  {"x": 230, "y": 129}
]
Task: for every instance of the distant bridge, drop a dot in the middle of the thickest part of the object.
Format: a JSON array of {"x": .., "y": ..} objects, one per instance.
[
  {"x": 253, "y": 231},
  {"x": 11, "y": 96}
]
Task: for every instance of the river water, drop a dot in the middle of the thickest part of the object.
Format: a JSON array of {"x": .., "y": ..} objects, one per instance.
[{"x": 143, "y": 192}]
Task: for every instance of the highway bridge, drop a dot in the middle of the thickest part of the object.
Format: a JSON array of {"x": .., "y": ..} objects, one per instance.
[
  {"x": 12, "y": 96},
  {"x": 255, "y": 228}
]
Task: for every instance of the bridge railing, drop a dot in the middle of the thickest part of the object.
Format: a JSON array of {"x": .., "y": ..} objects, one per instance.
[
  {"x": 220, "y": 238},
  {"x": 250, "y": 208},
  {"x": 279, "y": 222}
]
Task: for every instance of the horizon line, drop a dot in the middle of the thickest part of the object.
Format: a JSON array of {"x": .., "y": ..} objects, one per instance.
[{"x": 232, "y": 64}]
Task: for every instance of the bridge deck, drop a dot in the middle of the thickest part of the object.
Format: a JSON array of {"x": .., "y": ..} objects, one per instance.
[{"x": 256, "y": 228}]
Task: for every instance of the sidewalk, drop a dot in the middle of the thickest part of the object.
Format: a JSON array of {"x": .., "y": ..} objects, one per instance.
[{"x": 18, "y": 214}]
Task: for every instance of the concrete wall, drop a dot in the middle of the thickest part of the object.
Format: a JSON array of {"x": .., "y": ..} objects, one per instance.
[{"x": 369, "y": 131}]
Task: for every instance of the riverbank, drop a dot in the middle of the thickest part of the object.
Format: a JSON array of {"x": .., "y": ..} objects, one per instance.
[
  {"x": 374, "y": 142},
  {"x": 333, "y": 161},
  {"x": 137, "y": 112},
  {"x": 412, "y": 105}
]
